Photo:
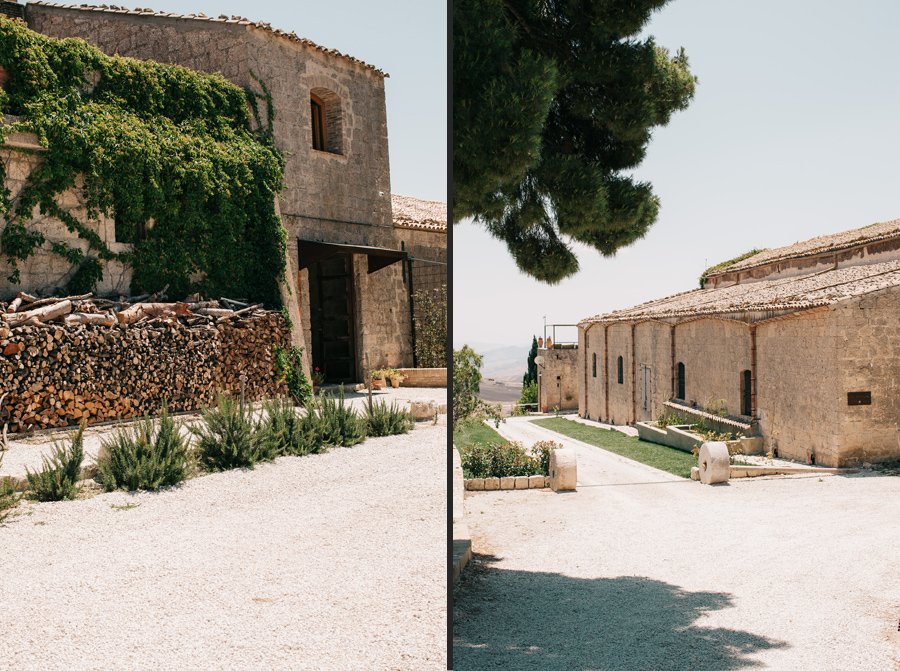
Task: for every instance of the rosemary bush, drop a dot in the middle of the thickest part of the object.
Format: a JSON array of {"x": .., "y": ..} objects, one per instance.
[
  {"x": 9, "y": 497},
  {"x": 382, "y": 420},
  {"x": 340, "y": 424},
  {"x": 56, "y": 480},
  {"x": 290, "y": 433},
  {"x": 141, "y": 458},
  {"x": 229, "y": 437}
]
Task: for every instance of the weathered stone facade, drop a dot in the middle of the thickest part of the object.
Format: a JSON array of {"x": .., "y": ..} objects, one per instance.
[
  {"x": 813, "y": 360},
  {"x": 338, "y": 195},
  {"x": 557, "y": 383}
]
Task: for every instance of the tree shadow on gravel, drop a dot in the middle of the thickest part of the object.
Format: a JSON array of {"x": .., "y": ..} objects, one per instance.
[{"x": 521, "y": 620}]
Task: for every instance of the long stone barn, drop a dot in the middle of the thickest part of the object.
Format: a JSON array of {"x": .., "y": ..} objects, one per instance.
[
  {"x": 354, "y": 257},
  {"x": 801, "y": 342}
]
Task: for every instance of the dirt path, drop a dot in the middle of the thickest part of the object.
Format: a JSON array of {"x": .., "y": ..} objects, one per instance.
[{"x": 637, "y": 570}]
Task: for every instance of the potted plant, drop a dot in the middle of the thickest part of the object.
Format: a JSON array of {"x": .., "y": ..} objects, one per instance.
[
  {"x": 395, "y": 376},
  {"x": 378, "y": 379}
]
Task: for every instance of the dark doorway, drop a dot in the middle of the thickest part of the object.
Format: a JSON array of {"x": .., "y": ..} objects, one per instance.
[
  {"x": 746, "y": 393},
  {"x": 679, "y": 390},
  {"x": 331, "y": 318}
]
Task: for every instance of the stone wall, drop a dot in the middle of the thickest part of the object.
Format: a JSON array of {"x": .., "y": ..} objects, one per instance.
[
  {"x": 558, "y": 379},
  {"x": 424, "y": 377},
  {"x": 799, "y": 387},
  {"x": 714, "y": 353},
  {"x": 868, "y": 356},
  {"x": 621, "y": 399},
  {"x": 45, "y": 272},
  {"x": 653, "y": 358},
  {"x": 590, "y": 345},
  {"x": 57, "y": 375}
]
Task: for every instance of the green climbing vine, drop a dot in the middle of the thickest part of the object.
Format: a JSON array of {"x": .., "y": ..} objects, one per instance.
[{"x": 167, "y": 152}]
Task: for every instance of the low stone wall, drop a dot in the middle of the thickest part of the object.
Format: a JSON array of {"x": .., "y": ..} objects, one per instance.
[
  {"x": 511, "y": 482},
  {"x": 424, "y": 377},
  {"x": 56, "y": 375}
]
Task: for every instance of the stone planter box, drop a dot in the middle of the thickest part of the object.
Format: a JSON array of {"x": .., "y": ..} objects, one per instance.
[
  {"x": 677, "y": 436},
  {"x": 518, "y": 482}
]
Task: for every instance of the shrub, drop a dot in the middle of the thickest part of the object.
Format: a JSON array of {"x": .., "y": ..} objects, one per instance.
[
  {"x": 289, "y": 365},
  {"x": 382, "y": 420},
  {"x": 431, "y": 327},
  {"x": 56, "y": 480},
  {"x": 340, "y": 424},
  {"x": 291, "y": 434},
  {"x": 493, "y": 460},
  {"x": 141, "y": 458},
  {"x": 9, "y": 497},
  {"x": 230, "y": 438},
  {"x": 529, "y": 393},
  {"x": 669, "y": 419},
  {"x": 541, "y": 451}
]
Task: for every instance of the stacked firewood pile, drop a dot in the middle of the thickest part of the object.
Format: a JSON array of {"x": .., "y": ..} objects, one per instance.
[{"x": 65, "y": 359}]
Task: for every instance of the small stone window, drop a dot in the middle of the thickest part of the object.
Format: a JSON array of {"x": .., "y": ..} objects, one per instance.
[
  {"x": 325, "y": 120},
  {"x": 621, "y": 370},
  {"x": 679, "y": 391},
  {"x": 595, "y": 364}
]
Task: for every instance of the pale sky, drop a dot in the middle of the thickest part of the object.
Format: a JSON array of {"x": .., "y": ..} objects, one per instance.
[
  {"x": 405, "y": 38},
  {"x": 794, "y": 132}
]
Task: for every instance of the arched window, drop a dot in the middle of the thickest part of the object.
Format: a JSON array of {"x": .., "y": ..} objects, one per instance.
[
  {"x": 326, "y": 120},
  {"x": 680, "y": 393},
  {"x": 746, "y": 393},
  {"x": 621, "y": 369},
  {"x": 595, "y": 364}
]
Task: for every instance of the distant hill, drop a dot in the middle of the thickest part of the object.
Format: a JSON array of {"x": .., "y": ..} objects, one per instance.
[{"x": 502, "y": 362}]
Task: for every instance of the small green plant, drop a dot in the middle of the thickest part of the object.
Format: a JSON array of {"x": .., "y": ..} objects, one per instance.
[
  {"x": 382, "y": 420},
  {"x": 289, "y": 365},
  {"x": 144, "y": 458},
  {"x": 497, "y": 460},
  {"x": 669, "y": 418},
  {"x": 529, "y": 393},
  {"x": 340, "y": 424},
  {"x": 541, "y": 451},
  {"x": 56, "y": 480},
  {"x": 229, "y": 437},
  {"x": 290, "y": 433},
  {"x": 9, "y": 497}
]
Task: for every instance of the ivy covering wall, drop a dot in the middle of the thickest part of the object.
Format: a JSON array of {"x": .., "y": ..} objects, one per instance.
[{"x": 167, "y": 152}]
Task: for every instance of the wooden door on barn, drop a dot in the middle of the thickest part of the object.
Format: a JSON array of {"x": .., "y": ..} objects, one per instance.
[{"x": 331, "y": 318}]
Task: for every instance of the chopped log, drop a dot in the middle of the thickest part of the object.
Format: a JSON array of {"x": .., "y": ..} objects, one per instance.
[
  {"x": 17, "y": 301},
  {"x": 238, "y": 313},
  {"x": 50, "y": 301},
  {"x": 139, "y": 310},
  {"x": 42, "y": 314},
  {"x": 77, "y": 318},
  {"x": 214, "y": 312},
  {"x": 236, "y": 305},
  {"x": 201, "y": 305}
]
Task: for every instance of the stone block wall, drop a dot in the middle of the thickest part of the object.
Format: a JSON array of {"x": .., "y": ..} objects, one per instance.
[
  {"x": 621, "y": 399},
  {"x": 868, "y": 355},
  {"x": 799, "y": 387},
  {"x": 714, "y": 353},
  {"x": 558, "y": 379},
  {"x": 653, "y": 353},
  {"x": 424, "y": 377},
  {"x": 44, "y": 272},
  {"x": 56, "y": 375}
]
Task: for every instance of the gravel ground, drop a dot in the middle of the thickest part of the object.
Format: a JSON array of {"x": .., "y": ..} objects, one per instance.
[
  {"x": 331, "y": 561},
  {"x": 28, "y": 451},
  {"x": 641, "y": 570}
]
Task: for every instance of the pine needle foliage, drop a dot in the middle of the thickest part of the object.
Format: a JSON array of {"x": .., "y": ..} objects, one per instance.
[
  {"x": 290, "y": 433},
  {"x": 229, "y": 437},
  {"x": 56, "y": 480},
  {"x": 142, "y": 457},
  {"x": 340, "y": 424},
  {"x": 382, "y": 420}
]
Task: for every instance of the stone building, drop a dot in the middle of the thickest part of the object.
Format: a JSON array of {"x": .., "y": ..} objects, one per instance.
[
  {"x": 802, "y": 342},
  {"x": 350, "y": 265}
]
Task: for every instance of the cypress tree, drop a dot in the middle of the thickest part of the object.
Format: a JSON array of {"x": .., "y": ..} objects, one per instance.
[{"x": 531, "y": 375}]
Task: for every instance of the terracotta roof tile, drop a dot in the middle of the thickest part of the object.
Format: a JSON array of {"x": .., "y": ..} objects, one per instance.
[
  {"x": 409, "y": 212},
  {"x": 819, "y": 245},
  {"x": 784, "y": 294},
  {"x": 267, "y": 27}
]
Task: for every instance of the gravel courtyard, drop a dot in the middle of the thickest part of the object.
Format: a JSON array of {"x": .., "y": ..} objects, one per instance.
[
  {"x": 641, "y": 570},
  {"x": 331, "y": 561}
]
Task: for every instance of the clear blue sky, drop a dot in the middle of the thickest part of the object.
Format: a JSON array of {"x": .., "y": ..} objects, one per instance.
[
  {"x": 405, "y": 38},
  {"x": 794, "y": 132}
]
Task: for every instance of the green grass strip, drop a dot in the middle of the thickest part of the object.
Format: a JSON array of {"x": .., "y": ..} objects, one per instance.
[
  {"x": 469, "y": 432},
  {"x": 659, "y": 456}
]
